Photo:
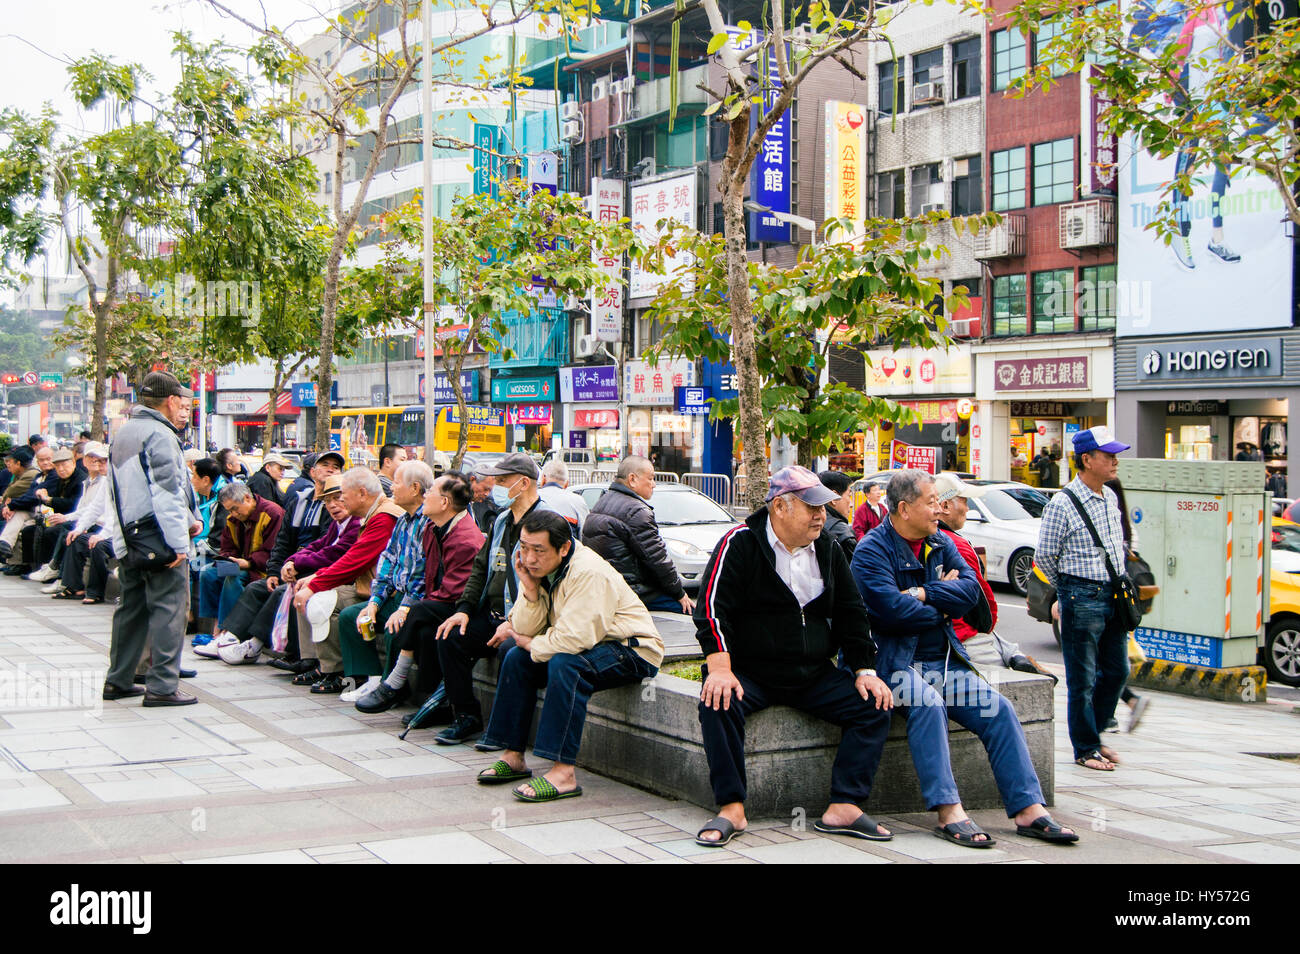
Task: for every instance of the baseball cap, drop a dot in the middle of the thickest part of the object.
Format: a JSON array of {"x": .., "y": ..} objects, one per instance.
[
  {"x": 440, "y": 461},
  {"x": 332, "y": 487},
  {"x": 277, "y": 459},
  {"x": 320, "y": 607},
  {"x": 1097, "y": 438},
  {"x": 330, "y": 455},
  {"x": 950, "y": 485},
  {"x": 63, "y": 453},
  {"x": 511, "y": 464},
  {"x": 191, "y": 454},
  {"x": 21, "y": 453},
  {"x": 801, "y": 482},
  {"x": 161, "y": 384},
  {"x": 95, "y": 449},
  {"x": 309, "y": 462}
]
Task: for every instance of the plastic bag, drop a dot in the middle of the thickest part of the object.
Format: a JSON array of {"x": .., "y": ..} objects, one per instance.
[{"x": 280, "y": 628}]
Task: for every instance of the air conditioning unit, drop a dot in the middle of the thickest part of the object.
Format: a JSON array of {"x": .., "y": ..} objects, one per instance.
[
  {"x": 600, "y": 88},
  {"x": 1005, "y": 240},
  {"x": 964, "y": 328},
  {"x": 570, "y": 111},
  {"x": 585, "y": 346},
  {"x": 622, "y": 86},
  {"x": 924, "y": 94},
  {"x": 933, "y": 207},
  {"x": 1087, "y": 224},
  {"x": 571, "y": 130},
  {"x": 572, "y": 303}
]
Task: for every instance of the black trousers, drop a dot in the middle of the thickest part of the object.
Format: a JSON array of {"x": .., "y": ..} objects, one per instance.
[
  {"x": 832, "y": 696},
  {"x": 419, "y": 634},
  {"x": 49, "y": 544},
  {"x": 78, "y": 555},
  {"x": 458, "y": 653},
  {"x": 254, "y": 615}
]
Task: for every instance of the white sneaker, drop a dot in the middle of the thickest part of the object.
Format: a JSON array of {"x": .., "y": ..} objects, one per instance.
[
  {"x": 239, "y": 653},
  {"x": 213, "y": 649},
  {"x": 352, "y": 695},
  {"x": 43, "y": 574},
  {"x": 52, "y": 587}
]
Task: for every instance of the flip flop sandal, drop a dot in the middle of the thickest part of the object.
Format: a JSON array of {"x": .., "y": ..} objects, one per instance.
[
  {"x": 723, "y": 827},
  {"x": 864, "y": 826},
  {"x": 1109, "y": 758},
  {"x": 500, "y": 772},
  {"x": 963, "y": 833},
  {"x": 92, "y": 601},
  {"x": 1044, "y": 828},
  {"x": 1106, "y": 765},
  {"x": 68, "y": 595},
  {"x": 544, "y": 791}
]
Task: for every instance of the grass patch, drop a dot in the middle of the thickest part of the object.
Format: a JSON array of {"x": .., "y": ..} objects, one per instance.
[{"x": 685, "y": 669}]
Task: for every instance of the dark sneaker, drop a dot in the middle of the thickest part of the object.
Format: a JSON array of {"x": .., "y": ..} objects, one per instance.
[
  {"x": 382, "y": 698},
  {"x": 1223, "y": 253},
  {"x": 463, "y": 729}
]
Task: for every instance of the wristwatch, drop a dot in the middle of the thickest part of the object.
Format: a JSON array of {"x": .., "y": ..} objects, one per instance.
[
  {"x": 914, "y": 592},
  {"x": 865, "y": 672}
]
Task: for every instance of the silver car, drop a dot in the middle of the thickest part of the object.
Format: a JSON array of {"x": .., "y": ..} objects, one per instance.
[{"x": 690, "y": 523}]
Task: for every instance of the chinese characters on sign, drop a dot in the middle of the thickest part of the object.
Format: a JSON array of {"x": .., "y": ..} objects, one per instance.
[
  {"x": 922, "y": 458},
  {"x": 589, "y": 384},
  {"x": 650, "y": 384},
  {"x": 1068, "y": 373},
  {"x": 934, "y": 412},
  {"x": 607, "y": 303},
  {"x": 532, "y": 413},
  {"x": 1099, "y": 148},
  {"x": 846, "y": 149},
  {"x": 595, "y": 419},
  {"x": 652, "y": 201},
  {"x": 1180, "y": 647},
  {"x": 770, "y": 177}
]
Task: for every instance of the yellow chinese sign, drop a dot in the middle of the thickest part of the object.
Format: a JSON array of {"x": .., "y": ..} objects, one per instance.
[{"x": 846, "y": 151}]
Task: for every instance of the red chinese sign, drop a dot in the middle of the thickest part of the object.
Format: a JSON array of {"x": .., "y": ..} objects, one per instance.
[
  {"x": 595, "y": 419},
  {"x": 1068, "y": 373}
]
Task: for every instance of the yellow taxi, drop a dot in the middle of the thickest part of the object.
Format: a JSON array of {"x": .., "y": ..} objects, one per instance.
[{"x": 1279, "y": 649}]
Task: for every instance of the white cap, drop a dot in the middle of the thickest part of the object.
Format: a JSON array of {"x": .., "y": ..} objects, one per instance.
[
  {"x": 320, "y": 607},
  {"x": 950, "y": 485},
  {"x": 95, "y": 449}
]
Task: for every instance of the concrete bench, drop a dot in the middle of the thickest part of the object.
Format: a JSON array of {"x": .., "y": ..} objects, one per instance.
[{"x": 649, "y": 736}]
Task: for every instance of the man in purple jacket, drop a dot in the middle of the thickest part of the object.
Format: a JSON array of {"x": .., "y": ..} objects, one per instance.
[{"x": 248, "y": 626}]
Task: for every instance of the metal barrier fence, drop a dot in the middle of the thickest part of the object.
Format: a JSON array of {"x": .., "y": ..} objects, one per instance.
[
  {"x": 667, "y": 476},
  {"x": 717, "y": 487},
  {"x": 738, "y": 489},
  {"x": 579, "y": 475},
  {"x": 603, "y": 475}
]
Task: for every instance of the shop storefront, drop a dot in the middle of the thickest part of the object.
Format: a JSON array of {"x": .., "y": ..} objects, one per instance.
[
  {"x": 1031, "y": 398},
  {"x": 1197, "y": 397},
  {"x": 937, "y": 385},
  {"x": 655, "y": 427},
  {"x": 591, "y": 410},
  {"x": 241, "y": 420},
  {"x": 530, "y": 408}
]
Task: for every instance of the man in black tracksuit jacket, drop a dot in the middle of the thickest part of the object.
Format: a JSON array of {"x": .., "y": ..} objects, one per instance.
[{"x": 777, "y": 604}]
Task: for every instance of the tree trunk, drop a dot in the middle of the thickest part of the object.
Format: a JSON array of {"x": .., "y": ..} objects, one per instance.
[
  {"x": 97, "y": 427},
  {"x": 753, "y": 433},
  {"x": 277, "y": 383}
]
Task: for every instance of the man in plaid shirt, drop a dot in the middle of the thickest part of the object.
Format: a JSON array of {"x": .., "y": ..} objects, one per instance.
[{"x": 1094, "y": 641}]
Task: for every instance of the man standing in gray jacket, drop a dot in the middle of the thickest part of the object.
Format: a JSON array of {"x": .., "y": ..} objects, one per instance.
[{"x": 149, "y": 476}]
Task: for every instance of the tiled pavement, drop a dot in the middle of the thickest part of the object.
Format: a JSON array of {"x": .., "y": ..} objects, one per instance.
[{"x": 260, "y": 771}]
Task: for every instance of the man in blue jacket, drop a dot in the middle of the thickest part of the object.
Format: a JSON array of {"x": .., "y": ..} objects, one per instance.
[{"x": 914, "y": 583}]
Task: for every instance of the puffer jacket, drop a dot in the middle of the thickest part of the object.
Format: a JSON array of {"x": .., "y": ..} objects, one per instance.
[
  {"x": 148, "y": 467},
  {"x": 838, "y": 529},
  {"x": 622, "y": 529},
  {"x": 254, "y": 540}
]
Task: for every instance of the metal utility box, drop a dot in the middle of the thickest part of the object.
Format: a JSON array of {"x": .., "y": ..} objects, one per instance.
[{"x": 1203, "y": 526}]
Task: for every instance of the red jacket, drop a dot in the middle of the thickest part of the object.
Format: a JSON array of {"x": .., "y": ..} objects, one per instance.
[
  {"x": 358, "y": 564},
  {"x": 867, "y": 519},
  {"x": 960, "y": 627},
  {"x": 449, "y": 559}
]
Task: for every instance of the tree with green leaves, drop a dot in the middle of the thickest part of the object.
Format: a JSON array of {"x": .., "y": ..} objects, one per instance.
[
  {"x": 500, "y": 256},
  {"x": 826, "y": 35},
  {"x": 861, "y": 293},
  {"x": 24, "y": 149},
  {"x": 1234, "y": 103}
]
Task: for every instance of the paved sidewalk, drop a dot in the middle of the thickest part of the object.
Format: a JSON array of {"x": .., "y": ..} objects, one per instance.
[{"x": 263, "y": 771}]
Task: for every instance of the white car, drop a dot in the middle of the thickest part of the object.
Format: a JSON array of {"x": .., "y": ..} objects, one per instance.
[{"x": 690, "y": 523}]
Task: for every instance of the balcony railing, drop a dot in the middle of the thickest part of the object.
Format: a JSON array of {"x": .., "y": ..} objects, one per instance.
[{"x": 540, "y": 339}]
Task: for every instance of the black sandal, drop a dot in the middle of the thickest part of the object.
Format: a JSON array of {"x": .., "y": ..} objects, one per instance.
[
  {"x": 1045, "y": 828},
  {"x": 963, "y": 833},
  {"x": 723, "y": 827},
  {"x": 308, "y": 678},
  {"x": 66, "y": 594}
]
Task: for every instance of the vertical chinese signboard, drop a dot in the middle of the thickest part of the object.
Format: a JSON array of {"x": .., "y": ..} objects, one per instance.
[
  {"x": 607, "y": 303},
  {"x": 672, "y": 198},
  {"x": 1098, "y": 148},
  {"x": 846, "y": 151},
  {"x": 770, "y": 178},
  {"x": 487, "y": 164}
]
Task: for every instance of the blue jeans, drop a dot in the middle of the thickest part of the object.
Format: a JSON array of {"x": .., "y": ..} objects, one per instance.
[
  {"x": 928, "y": 700},
  {"x": 664, "y": 603},
  {"x": 1095, "y": 647},
  {"x": 218, "y": 595},
  {"x": 570, "y": 679}
]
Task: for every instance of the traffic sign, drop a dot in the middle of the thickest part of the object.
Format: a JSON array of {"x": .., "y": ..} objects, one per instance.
[
  {"x": 54, "y": 376},
  {"x": 31, "y": 377}
]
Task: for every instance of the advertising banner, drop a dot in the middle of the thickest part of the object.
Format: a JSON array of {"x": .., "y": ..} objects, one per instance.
[
  {"x": 598, "y": 383},
  {"x": 922, "y": 458},
  {"x": 672, "y": 198},
  {"x": 654, "y": 384},
  {"x": 607, "y": 304},
  {"x": 509, "y": 390},
  {"x": 846, "y": 151},
  {"x": 1230, "y": 268},
  {"x": 442, "y": 392},
  {"x": 596, "y": 419},
  {"x": 919, "y": 371},
  {"x": 769, "y": 182},
  {"x": 1069, "y": 373}
]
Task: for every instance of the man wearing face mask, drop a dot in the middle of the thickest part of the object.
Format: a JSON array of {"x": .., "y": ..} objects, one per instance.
[{"x": 479, "y": 624}]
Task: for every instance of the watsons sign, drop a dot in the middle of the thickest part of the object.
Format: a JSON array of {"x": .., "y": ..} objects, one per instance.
[{"x": 1214, "y": 359}]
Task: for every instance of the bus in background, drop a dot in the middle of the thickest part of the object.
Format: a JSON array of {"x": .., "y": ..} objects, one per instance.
[{"x": 367, "y": 429}]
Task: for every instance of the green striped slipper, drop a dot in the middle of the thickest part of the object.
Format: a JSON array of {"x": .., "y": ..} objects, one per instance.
[
  {"x": 545, "y": 791},
  {"x": 500, "y": 772}
]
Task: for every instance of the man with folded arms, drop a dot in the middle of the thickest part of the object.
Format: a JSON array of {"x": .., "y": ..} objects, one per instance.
[
  {"x": 20, "y": 512},
  {"x": 350, "y": 575},
  {"x": 776, "y": 606},
  {"x": 451, "y": 543},
  {"x": 398, "y": 585},
  {"x": 915, "y": 584},
  {"x": 578, "y": 629},
  {"x": 64, "y": 499},
  {"x": 254, "y": 615}
]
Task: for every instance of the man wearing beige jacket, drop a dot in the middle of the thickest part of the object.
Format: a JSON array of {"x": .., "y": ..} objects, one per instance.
[{"x": 579, "y": 628}]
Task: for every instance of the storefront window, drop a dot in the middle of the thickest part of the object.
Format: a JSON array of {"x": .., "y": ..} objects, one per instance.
[{"x": 1009, "y": 305}]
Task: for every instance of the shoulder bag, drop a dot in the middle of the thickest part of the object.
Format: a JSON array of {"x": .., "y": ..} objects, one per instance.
[
  {"x": 146, "y": 547},
  {"x": 1128, "y": 608}
]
